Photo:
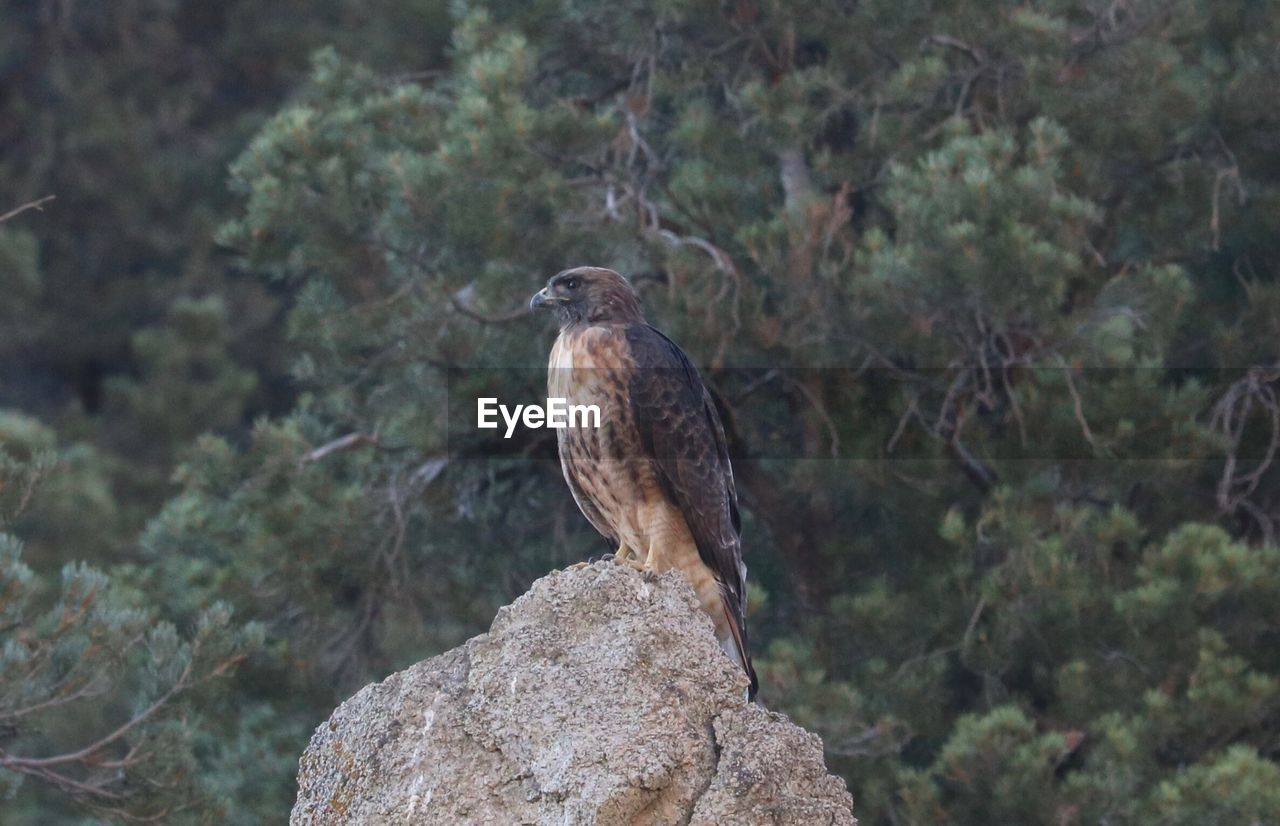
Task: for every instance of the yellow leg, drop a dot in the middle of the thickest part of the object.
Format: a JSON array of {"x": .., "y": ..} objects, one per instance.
[
  {"x": 644, "y": 566},
  {"x": 627, "y": 556}
]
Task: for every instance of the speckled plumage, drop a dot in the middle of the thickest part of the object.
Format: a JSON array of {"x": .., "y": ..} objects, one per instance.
[{"x": 655, "y": 477}]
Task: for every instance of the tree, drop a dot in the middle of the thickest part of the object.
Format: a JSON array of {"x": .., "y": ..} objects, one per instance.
[
  {"x": 98, "y": 698},
  {"x": 987, "y": 293},
  {"x": 921, "y": 206}
]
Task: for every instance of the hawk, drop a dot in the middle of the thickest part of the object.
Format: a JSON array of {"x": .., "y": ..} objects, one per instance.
[{"x": 654, "y": 478}]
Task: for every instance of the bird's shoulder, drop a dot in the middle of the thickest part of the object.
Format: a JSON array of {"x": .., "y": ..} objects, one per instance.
[{"x": 651, "y": 348}]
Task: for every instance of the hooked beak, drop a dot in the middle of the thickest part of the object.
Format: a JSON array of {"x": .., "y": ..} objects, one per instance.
[{"x": 541, "y": 299}]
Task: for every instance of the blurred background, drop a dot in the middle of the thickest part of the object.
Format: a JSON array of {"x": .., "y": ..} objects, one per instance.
[{"x": 987, "y": 292}]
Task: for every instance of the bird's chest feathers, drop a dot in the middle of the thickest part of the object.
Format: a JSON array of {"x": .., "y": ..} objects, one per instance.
[{"x": 592, "y": 365}]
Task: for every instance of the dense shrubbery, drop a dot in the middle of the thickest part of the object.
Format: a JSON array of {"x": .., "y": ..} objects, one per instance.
[{"x": 1013, "y": 546}]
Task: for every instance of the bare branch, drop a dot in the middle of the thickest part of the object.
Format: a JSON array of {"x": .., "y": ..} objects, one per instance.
[
  {"x": 755, "y": 384},
  {"x": 428, "y": 471},
  {"x": 912, "y": 412},
  {"x": 86, "y": 689},
  {"x": 1078, "y": 406},
  {"x": 1230, "y": 417},
  {"x": 348, "y": 442},
  {"x": 975, "y": 54},
  {"x": 37, "y": 205},
  {"x": 1230, "y": 174},
  {"x": 797, "y": 184},
  {"x": 62, "y": 781},
  {"x": 80, "y": 756},
  {"x": 821, "y": 410},
  {"x": 973, "y": 623},
  {"x": 487, "y": 318},
  {"x": 978, "y": 472}
]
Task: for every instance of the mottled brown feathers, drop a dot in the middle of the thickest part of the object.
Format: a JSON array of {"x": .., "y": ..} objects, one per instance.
[{"x": 655, "y": 477}]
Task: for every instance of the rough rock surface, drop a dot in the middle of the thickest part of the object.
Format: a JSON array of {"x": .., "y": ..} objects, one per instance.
[{"x": 598, "y": 697}]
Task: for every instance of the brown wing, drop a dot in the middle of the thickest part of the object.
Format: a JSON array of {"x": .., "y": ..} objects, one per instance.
[{"x": 681, "y": 430}]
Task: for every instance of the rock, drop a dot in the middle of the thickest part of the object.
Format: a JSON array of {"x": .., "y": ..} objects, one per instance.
[{"x": 598, "y": 697}]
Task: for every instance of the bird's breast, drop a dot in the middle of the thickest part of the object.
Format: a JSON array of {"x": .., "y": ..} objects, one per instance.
[{"x": 591, "y": 365}]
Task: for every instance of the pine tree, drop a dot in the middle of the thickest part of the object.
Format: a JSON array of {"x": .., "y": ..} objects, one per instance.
[
  {"x": 987, "y": 293},
  {"x": 99, "y": 698}
]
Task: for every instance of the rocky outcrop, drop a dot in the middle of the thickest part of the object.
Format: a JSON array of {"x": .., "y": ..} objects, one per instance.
[{"x": 598, "y": 697}]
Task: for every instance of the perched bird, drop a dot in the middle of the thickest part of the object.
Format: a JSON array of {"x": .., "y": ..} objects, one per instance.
[{"x": 655, "y": 476}]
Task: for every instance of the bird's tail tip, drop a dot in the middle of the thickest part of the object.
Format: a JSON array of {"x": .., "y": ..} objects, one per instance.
[{"x": 736, "y": 647}]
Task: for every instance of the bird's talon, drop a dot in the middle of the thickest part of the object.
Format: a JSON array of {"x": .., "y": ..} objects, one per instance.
[{"x": 632, "y": 563}]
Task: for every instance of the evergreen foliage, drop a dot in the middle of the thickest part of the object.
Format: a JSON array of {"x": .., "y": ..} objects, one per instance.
[
  {"x": 99, "y": 699},
  {"x": 988, "y": 293}
]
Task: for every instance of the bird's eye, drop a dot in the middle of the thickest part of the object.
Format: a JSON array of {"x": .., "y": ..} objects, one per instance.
[{"x": 571, "y": 284}]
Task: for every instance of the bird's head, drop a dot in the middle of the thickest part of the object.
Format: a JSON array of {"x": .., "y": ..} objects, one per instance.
[{"x": 589, "y": 294}]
